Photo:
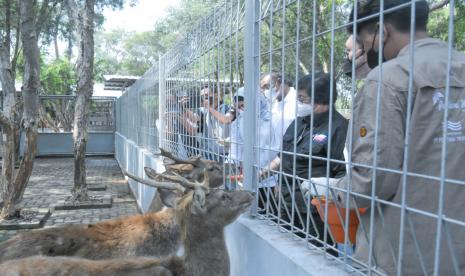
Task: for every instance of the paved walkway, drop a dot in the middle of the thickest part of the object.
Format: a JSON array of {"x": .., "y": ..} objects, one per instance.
[{"x": 52, "y": 180}]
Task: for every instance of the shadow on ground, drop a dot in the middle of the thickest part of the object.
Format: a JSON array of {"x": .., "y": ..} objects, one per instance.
[{"x": 52, "y": 181}]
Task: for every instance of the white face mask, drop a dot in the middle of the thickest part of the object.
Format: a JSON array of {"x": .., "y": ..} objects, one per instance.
[
  {"x": 303, "y": 109},
  {"x": 240, "y": 112},
  {"x": 270, "y": 93}
]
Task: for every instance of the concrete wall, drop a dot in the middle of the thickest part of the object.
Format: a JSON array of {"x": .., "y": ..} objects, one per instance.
[
  {"x": 133, "y": 159},
  {"x": 62, "y": 143},
  {"x": 255, "y": 247}
]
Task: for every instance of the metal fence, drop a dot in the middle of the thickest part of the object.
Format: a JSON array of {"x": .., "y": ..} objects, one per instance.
[
  {"x": 137, "y": 111},
  {"x": 399, "y": 184},
  {"x": 56, "y": 113}
]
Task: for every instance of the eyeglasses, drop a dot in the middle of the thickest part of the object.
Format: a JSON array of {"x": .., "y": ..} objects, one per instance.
[
  {"x": 303, "y": 99},
  {"x": 265, "y": 87}
]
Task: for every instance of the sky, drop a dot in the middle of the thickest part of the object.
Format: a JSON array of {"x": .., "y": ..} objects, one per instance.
[{"x": 139, "y": 18}]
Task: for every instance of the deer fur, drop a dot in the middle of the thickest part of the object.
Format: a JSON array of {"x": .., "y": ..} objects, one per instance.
[
  {"x": 202, "y": 231},
  {"x": 193, "y": 168},
  {"x": 47, "y": 266},
  {"x": 202, "y": 226},
  {"x": 153, "y": 234}
]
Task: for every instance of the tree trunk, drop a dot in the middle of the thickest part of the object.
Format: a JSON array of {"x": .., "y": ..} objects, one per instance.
[
  {"x": 80, "y": 142},
  {"x": 9, "y": 103},
  {"x": 15, "y": 184},
  {"x": 55, "y": 45},
  {"x": 17, "y": 130},
  {"x": 8, "y": 188},
  {"x": 67, "y": 117},
  {"x": 84, "y": 90},
  {"x": 55, "y": 34},
  {"x": 69, "y": 49},
  {"x": 46, "y": 120}
]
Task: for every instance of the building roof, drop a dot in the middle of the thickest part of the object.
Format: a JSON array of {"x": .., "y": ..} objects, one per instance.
[{"x": 118, "y": 82}]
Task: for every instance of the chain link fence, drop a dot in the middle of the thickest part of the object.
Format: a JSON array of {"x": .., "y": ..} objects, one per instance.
[
  {"x": 137, "y": 111},
  {"x": 266, "y": 89}
]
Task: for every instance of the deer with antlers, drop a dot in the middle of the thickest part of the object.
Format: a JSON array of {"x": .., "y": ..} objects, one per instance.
[
  {"x": 201, "y": 214},
  {"x": 193, "y": 168},
  {"x": 152, "y": 234}
]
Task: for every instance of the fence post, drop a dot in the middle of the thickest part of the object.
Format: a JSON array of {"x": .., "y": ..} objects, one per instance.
[
  {"x": 161, "y": 99},
  {"x": 251, "y": 73}
]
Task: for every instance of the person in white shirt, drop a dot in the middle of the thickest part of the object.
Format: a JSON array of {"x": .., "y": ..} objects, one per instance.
[
  {"x": 283, "y": 113},
  {"x": 284, "y": 108}
]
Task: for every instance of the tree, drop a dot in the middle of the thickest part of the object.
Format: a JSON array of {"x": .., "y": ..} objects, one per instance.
[
  {"x": 124, "y": 53},
  {"x": 82, "y": 15},
  {"x": 57, "y": 78},
  {"x": 28, "y": 20},
  {"x": 84, "y": 20},
  {"x": 132, "y": 53}
]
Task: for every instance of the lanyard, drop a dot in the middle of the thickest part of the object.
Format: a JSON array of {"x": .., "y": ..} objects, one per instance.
[{"x": 301, "y": 136}]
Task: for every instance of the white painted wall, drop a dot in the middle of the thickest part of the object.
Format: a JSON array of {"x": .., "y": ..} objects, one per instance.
[{"x": 255, "y": 248}]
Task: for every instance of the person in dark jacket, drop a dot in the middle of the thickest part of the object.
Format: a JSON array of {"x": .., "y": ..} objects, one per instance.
[{"x": 301, "y": 141}]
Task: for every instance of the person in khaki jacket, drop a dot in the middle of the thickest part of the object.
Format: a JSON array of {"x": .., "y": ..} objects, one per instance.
[{"x": 379, "y": 139}]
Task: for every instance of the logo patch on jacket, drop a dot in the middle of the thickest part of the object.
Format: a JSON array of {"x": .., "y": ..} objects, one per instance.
[
  {"x": 319, "y": 138},
  {"x": 363, "y": 132}
]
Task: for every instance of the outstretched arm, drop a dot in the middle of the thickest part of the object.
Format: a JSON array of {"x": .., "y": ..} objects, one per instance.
[
  {"x": 191, "y": 127},
  {"x": 222, "y": 118}
]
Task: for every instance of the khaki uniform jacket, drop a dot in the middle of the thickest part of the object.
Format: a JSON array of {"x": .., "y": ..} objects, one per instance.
[{"x": 423, "y": 157}]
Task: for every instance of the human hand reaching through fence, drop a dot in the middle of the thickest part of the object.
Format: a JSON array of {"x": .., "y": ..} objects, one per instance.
[
  {"x": 317, "y": 186},
  {"x": 184, "y": 101}
]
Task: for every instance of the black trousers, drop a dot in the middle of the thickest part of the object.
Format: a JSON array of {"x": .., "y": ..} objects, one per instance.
[{"x": 316, "y": 224}]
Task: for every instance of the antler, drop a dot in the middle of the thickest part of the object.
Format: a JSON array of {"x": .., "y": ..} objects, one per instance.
[
  {"x": 156, "y": 184},
  {"x": 195, "y": 161},
  {"x": 186, "y": 183}
]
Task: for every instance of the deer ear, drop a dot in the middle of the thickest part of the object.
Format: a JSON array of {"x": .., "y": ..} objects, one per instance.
[
  {"x": 198, "y": 206},
  {"x": 168, "y": 197}
]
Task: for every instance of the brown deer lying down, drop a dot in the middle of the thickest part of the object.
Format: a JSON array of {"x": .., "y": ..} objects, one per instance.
[
  {"x": 46, "y": 266},
  {"x": 202, "y": 228},
  {"x": 153, "y": 234}
]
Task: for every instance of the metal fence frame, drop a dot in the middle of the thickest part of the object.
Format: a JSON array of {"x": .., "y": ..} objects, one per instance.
[
  {"x": 108, "y": 124},
  {"x": 213, "y": 53}
]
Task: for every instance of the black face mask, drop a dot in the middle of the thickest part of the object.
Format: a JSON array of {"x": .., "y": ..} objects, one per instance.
[{"x": 372, "y": 54}]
